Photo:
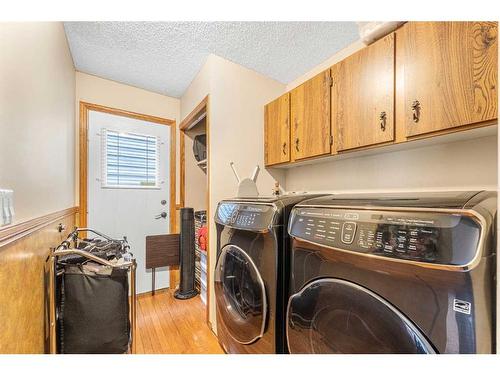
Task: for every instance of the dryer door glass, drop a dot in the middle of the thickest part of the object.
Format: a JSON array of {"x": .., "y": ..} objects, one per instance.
[
  {"x": 240, "y": 295},
  {"x": 337, "y": 316}
]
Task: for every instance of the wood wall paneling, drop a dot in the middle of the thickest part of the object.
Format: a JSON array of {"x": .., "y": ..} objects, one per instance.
[
  {"x": 277, "y": 130},
  {"x": 449, "y": 70},
  {"x": 24, "y": 249},
  {"x": 363, "y": 97},
  {"x": 310, "y": 117}
]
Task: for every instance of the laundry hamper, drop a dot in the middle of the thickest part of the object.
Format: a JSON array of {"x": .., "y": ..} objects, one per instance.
[
  {"x": 90, "y": 308},
  {"x": 93, "y": 311}
]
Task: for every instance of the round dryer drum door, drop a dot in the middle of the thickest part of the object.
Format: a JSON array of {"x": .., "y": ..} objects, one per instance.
[
  {"x": 240, "y": 295},
  {"x": 337, "y": 316}
]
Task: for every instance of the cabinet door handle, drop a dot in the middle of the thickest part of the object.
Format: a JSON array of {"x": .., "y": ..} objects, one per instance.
[
  {"x": 383, "y": 120},
  {"x": 415, "y": 108},
  {"x": 284, "y": 148},
  {"x": 297, "y": 144}
]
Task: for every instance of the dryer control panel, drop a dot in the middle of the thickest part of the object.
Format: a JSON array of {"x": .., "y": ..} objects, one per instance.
[
  {"x": 255, "y": 217},
  {"x": 440, "y": 238}
]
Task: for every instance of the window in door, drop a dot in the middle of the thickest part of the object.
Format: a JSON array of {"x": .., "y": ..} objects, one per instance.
[{"x": 129, "y": 160}]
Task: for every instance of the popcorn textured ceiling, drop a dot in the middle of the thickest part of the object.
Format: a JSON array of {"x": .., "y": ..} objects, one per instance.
[{"x": 164, "y": 57}]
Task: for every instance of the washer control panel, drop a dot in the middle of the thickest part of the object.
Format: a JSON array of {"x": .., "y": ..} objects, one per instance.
[
  {"x": 245, "y": 215},
  {"x": 419, "y": 236}
]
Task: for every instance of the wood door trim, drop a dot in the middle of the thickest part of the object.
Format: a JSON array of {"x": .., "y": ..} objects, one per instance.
[
  {"x": 185, "y": 123},
  {"x": 194, "y": 114},
  {"x": 83, "y": 154},
  {"x": 182, "y": 171},
  {"x": 209, "y": 217},
  {"x": 125, "y": 113},
  {"x": 17, "y": 231}
]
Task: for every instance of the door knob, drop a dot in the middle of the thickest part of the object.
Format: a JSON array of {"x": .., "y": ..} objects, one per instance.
[
  {"x": 162, "y": 215},
  {"x": 284, "y": 148}
]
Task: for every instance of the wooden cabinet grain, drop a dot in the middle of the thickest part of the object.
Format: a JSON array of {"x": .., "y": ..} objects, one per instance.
[
  {"x": 310, "y": 116},
  {"x": 277, "y": 130},
  {"x": 363, "y": 97},
  {"x": 423, "y": 80},
  {"x": 446, "y": 75}
]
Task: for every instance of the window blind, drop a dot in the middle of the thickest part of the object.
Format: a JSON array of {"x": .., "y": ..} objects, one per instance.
[{"x": 129, "y": 160}]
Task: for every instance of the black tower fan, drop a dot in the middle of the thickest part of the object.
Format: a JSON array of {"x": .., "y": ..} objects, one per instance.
[{"x": 186, "y": 288}]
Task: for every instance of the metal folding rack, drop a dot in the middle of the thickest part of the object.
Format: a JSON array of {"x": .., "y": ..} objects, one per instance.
[{"x": 65, "y": 249}]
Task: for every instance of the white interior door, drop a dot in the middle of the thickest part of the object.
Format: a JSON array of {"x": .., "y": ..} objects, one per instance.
[{"x": 128, "y": 184}]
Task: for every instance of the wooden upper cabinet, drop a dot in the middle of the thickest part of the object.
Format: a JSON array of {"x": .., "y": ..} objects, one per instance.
[
  {"x": 310, "y": 117},
  {"x": 446, "y": 75},
  {"x": 277, "y": 130},
  {"x": 363, "y": 97}
]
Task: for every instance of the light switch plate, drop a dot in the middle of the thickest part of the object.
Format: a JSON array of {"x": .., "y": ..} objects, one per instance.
[
  {"x": 2, "y": 216},
  {"x": 7, "y": 206}
]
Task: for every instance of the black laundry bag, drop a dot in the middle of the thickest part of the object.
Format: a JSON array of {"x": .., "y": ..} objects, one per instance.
[{"x": 93, "y": 312}]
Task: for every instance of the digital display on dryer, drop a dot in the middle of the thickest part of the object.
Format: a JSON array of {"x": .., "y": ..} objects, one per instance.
[
  {"x": 245, "y": 216},
  {"x": 418, "y": 236}
]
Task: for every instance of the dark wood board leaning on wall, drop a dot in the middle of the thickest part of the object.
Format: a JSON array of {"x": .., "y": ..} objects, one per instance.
[{"x": 162, "y": 250}]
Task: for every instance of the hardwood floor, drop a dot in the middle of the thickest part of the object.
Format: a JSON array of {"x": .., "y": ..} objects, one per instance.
[{"x": 166, "y": 325}]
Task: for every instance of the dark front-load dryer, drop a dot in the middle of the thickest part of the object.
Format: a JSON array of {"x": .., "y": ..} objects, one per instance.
[
  {"x": 409, "y": 273},
  {"x": 252, "y": 273}
]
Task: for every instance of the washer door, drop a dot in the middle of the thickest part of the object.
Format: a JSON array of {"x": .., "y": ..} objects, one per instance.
[
  {"x": 337, "y": 316},
  {"x": 240, "y": 295}
]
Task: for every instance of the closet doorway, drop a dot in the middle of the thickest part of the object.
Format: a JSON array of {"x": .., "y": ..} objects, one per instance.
[
  {"x": 127, "y": 180},
  {"x": 195, "y": 189}
]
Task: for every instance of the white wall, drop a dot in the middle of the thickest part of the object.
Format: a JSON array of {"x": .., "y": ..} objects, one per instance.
[
  {"x": 469, "y": 164},
  {"x": 198, "y": 88},
  {"x": 37, "y": 95},
  {"x": 108, "y": 93},
  {"x": 238, "y": 96},
  {"x": 342, "y": 54},
  {"x": 237, "y": 99}
]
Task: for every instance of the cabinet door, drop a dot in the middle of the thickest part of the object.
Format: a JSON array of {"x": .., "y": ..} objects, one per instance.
[
  {"x": 310, "y": 113},
  {"x": 446, "y": 75},
  {"x": 363, "y": 97},
  {"x": 277, "y": 130}
]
